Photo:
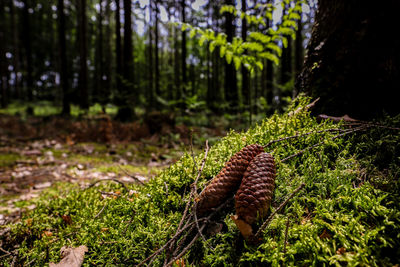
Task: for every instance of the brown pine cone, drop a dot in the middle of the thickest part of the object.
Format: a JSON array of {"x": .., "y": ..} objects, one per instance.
[
  {"x": 254, "y": 196},
  {"x": 228, "y": 179}
]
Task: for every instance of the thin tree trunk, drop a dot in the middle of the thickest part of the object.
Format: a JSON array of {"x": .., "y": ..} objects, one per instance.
[
  {"x": 63, "y": 59},
  {"x": 28, "y": 49},
  {"x": 118, "y": 48},
  {"x": 183, "y": 48},
  {"x": 99, "y": 61},
  {"x": 83, "y": 72},
  {"x": 245, "y": 72},
  {"x": 231, "y": 89},
  {"x": 299, "y": 53},
  {"x": 128, "y": 46},
  {"x": 107, "y": 57},
  {"x": 156, "y": 52},
  {"x": 177, "y": 76},
  {"x": 150, "y": 60},
  {"x": 3, "y": 73},
  {"x": 16, "y": 52}
]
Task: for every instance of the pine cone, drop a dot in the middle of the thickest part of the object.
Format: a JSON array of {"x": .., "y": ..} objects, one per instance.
[
  {"x": 228, "y": 180},
  {"x": 254, "y": 196}
]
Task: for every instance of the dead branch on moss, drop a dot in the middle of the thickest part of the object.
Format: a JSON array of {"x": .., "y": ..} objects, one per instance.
[
  {"x": 108, "y": 179},
  {"x": 297, "y": 135},
  {"x": 281, "y": 206},
  {"x": 363, "y": 127}
]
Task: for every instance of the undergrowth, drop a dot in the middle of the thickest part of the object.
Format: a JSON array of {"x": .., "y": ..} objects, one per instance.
[{"x": 348, "y": 213}]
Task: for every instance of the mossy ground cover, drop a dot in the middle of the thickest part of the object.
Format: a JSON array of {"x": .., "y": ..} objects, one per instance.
[{"x": 346, "y": 214}]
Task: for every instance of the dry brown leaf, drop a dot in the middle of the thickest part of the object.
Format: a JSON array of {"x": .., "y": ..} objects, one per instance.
[
  {"x": 71, "y": 257},
  {"x": 325, "y": 234},
  {"x": 47, "y": 233},
  {"x": 341, "y": 251}
]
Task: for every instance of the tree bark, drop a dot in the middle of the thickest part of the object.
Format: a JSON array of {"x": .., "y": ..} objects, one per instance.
[
  {"x": 3, "y": 74},
  {"x": 83, "y": 71},
  {"x": 299, "y": 53},
  {"x": 157, "y": 57},
  {"x": 231, "y": 89},
  {"x": 14, "y": 30},
  {"x": 353, "y": 63},
  {"x": 118, "y": 48},
  {"x": 183, "y": 48},
  {"x": 150, "y": 90},
  {"x": 66, "y": 109},
  {"x": 28, "y": 49},
  {"x": 108, "y": 58},
  {"x": 245, "y": 72}
]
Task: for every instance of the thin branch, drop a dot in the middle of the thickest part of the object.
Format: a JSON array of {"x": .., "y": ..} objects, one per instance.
[
  {"x": 108, "y": 179},
  {"x": 98, "y": 214},
  {"x": 286, "y": 235},
  {"x": 268, "y": 221},
  {"x": 186, "y": 248},
  {"x": 301, "y": 135},
  {"x": 320, "y": 143},
  {"x": 130, "y": 175},
  {"x": 194, "y": 188}
]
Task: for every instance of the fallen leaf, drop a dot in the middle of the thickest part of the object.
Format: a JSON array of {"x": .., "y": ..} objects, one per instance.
[
  {"x": 29, "y": 222},
  {"x": 47, "y": 233},
  {"x": 325, "y": 234},
  {"x": 71, "y": 257},
  {"x": 104, "y": 229},
  {"x": 67, "y": 219},
  {"x": 42, "y": 185},
  {"x": 341, "y": 251}
]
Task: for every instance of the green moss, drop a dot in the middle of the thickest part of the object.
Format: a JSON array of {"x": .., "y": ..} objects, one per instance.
[
  {"x": 128, "y": 169},
  {"x": 9, "y": 159},
  {"x": 338, "y": 219}
]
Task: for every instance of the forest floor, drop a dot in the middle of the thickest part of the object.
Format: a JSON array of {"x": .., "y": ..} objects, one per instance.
[{"x": 36, "y": 153}]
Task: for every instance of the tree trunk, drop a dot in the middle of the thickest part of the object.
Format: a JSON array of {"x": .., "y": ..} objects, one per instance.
[
  {"x": 63, "y": 59},
  {"x": 156, "y": 52},
  {"x": 231, "y": 89},
  {"x": 28, "y": 49},
  {"x": 245, "y": 72},
  {"x": 83, "y": 72},
  {"x": 14, "y": 30},
  {"x": 299, "y": 53},
  {"x": 349, "y": 66},
  {"x": 118, "y": 49},
  {"x": 107, "y": 58},
  {"x": 3, "y": 74},
  {"x": 150, "y": 90},
  {"x": 183, "y": 48}
]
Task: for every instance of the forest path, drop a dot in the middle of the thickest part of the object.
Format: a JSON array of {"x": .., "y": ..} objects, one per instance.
[{"x": 27, "y": 168}]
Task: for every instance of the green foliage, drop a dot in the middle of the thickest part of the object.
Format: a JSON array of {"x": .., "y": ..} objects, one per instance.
[
  {"x": 339, "y": 219},
  {"x": 260, "y": 45}
]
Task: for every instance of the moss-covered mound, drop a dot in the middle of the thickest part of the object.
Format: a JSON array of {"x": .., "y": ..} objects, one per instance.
[{"x": 348, "y": 213}]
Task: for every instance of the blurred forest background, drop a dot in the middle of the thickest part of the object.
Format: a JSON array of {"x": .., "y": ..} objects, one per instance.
[{"x": 130, "y": 59}]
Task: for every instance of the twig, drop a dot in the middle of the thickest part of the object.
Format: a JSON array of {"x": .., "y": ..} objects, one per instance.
[
  {"x": 108, "y": 193},
  {"x": 192, "y": 152},
  {"x": 268, "y": 221},
  {"x": 286, "y": 235},
  {"x": 130, "y": 175},
  {"x": 194, "y": 188},
  {"x": 320, "y": 143},
  {"x": 98, "y": 214},
  {"x": 320, "y": 160},
  {"x": 187, "y": 225},
  {"x": 186, "y": 248},
  {"x": 166, "y": 244},
  {"x": 301, "y": 135},
  {"x": 108, "y": 179}
]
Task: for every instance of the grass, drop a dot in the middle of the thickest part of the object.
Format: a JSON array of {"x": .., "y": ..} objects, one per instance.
[
  {"x": 340, "y": 218},
  {"x": 47, "y": 108}
]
